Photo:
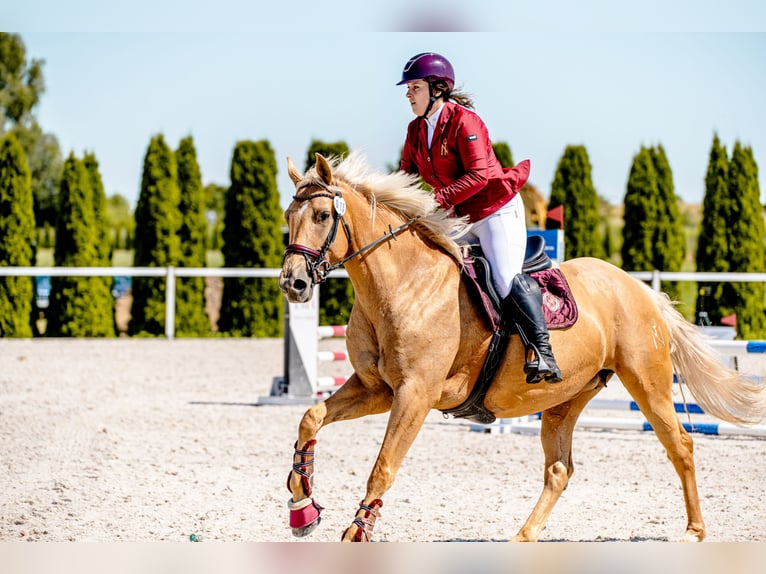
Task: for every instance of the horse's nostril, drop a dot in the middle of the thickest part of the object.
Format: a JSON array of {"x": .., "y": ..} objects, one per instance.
[{"x": 299, "y": 285}]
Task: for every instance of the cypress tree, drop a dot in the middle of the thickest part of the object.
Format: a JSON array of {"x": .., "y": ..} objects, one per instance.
[
  {"x": 252, "y": 307},
  {"x": 535, "y": 205},
  {"x": 670, "y": 245},
  {"x": 573, "y": 188},
  {"x": 669, "y": 241},
  {"x": 79, "y": 306},
  {"x": 713, "y": 240},
  {"x": 327, "y": 149},
  {"x": 103, "y": 239},
  {"x": 336, "y": 295},
  {"x": 746, "y": 245},
  {"x": 156, "y": 241},
  {"x": 17, "y": 222},
  {"x": 641, "y": 212},
  {"x": 191, "y": 319},
  {"x": 104, "y": 244},
  {"x": 503, "y": 154}
]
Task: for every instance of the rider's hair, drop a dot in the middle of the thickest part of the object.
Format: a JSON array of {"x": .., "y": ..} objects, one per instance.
[{"x": 458, "y": 96}]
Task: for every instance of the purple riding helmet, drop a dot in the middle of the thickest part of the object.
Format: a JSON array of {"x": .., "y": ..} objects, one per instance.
[{"x": 428, "y": 66}]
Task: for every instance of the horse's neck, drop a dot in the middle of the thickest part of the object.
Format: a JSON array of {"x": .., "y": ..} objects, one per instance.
[{"x": 400, "y": 273}]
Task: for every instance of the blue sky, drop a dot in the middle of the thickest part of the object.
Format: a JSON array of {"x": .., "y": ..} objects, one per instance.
[{"x": 601, "y": 74}]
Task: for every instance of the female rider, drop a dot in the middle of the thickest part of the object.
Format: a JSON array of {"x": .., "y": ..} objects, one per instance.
[{"x": 448, "y": 145}]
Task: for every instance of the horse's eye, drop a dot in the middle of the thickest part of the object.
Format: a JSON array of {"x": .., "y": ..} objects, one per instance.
[{"x": 323, "y": 216}]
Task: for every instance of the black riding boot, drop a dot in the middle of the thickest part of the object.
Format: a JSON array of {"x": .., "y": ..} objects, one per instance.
[{"x": 524, "y": 305}]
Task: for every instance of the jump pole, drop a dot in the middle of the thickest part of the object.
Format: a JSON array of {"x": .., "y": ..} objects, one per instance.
[
  {"x": 725, "y": 350},
  {"x": 609, "y": 423}
]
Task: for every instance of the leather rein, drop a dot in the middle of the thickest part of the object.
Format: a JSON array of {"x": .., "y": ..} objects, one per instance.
[{"x": 319, "y": 267}]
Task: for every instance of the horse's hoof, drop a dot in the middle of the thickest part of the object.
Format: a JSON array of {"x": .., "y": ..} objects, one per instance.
[
  {"x": 306, "y": 530},
  {"x": 693, "y": 535},
  {"x": 304, "y": 516}
]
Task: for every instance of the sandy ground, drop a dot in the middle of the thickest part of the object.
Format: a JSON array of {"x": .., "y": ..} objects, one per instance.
[{"x": 154, "y": 440}]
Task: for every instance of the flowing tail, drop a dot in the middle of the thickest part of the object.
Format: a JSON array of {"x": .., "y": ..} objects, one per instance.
[{"x": 722, "y": 392}]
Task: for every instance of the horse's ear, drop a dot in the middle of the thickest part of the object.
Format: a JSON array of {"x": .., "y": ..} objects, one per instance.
[
  {"x": 293, "y": 172},
  {"x": 324, "y": 171}
]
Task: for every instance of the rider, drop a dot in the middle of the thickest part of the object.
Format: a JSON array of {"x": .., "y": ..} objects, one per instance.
[{"x": 448, "y": 145}]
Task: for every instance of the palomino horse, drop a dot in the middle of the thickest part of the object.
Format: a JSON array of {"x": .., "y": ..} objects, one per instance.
[{"x": 417, "y": 342}]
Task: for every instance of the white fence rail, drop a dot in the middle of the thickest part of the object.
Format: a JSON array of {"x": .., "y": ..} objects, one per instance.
[{"x": 170, "y": 273}]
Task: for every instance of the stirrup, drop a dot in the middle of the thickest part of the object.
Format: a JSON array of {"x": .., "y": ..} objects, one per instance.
[{"x": 538, "y": 370}]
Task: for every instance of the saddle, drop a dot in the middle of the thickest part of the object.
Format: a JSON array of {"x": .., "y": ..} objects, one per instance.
[
  {"x": 559, "y": 306},
  {"x": 559, "y": 309}
]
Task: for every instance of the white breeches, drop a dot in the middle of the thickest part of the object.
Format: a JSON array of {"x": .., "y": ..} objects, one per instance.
[{"x": 503, "y": 238}]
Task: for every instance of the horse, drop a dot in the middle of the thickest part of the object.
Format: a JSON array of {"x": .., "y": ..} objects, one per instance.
[{"x": 416, "y": 339}]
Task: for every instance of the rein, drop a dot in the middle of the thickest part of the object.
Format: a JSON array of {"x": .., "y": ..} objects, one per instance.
[{"x": 318, "y": 265}]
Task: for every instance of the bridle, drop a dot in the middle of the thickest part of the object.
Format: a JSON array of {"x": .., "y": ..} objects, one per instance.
[{"x": 319, "y": 267}]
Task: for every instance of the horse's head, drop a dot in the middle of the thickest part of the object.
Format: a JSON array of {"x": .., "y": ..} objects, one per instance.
[{"x": 313, "y": 219}]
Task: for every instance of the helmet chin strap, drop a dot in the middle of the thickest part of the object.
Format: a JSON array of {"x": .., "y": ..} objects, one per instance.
[{"x": 431, "y": 100}]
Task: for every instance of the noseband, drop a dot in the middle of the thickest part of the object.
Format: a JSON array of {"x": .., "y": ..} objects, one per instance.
[{"x": 316, "y": 261}]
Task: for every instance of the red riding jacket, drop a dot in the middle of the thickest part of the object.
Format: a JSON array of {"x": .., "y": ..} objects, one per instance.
[{"x": 461, "y": 165}]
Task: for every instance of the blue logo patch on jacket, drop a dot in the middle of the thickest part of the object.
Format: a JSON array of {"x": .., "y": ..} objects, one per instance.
[{"x": 472, "y": 137}]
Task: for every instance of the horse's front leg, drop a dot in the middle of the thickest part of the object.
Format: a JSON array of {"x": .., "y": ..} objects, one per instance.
[
  {"x": 408, "y": 412},
  {"x": 352, "y": 400}
]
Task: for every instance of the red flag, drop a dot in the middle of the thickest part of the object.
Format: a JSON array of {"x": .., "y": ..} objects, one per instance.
[{"x": 557, "y": 214}]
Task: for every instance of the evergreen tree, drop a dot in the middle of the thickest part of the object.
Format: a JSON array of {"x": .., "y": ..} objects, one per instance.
[
  {"x": 669, "y": 241},
  {"x": 252, "y": 307},
  {"x": 746, "y": 243},
  {"x": 503, "y": 154},
  {"x": 17, "y": 222},
  {"x": 713, "y": 240},
  {"x": 641, "y": 213},
  {"x": 670, "y": 245},
  {"x": 573, "y": 188},
  {"x": 191, "y": 319},
  {"x": 327, "y": 149},
  {"x": 101, "y": 220},
  {"x": 156, "y": 242},
  {"x": 104, "y": 245},
  {"x": 79, "y": 306},
  {"x": 336, "y": 295}
]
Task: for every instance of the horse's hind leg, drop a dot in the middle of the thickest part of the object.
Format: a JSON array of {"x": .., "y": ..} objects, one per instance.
[
  {"x": 352, "y": 400},
  {"x": 656, "y": 403},
  {"x": 556, "y": 431}
]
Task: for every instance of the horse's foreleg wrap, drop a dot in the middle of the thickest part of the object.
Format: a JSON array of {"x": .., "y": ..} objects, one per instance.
[
  {"x": 304, "y": 512},
  {"x": 365, "y": 521},
  {"x": 303, "y": 466}
]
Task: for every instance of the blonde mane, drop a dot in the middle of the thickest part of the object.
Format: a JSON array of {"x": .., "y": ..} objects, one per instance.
[{"x": 400, "y": 193}]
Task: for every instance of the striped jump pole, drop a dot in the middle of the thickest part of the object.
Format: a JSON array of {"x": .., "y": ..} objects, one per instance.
[
  {"x": 736, "y": 351},
  {"x": 608, "y": 423},
  {"x": 328, "y": 331},
  {"x": 330, "y": 356}
]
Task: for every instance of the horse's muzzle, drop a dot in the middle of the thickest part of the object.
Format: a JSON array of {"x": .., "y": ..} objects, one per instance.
[{"x": 296, "y": 283}]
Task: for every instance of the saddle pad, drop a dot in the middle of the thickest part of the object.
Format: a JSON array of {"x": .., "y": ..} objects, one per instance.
[{"x": 559, "y": 306}]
